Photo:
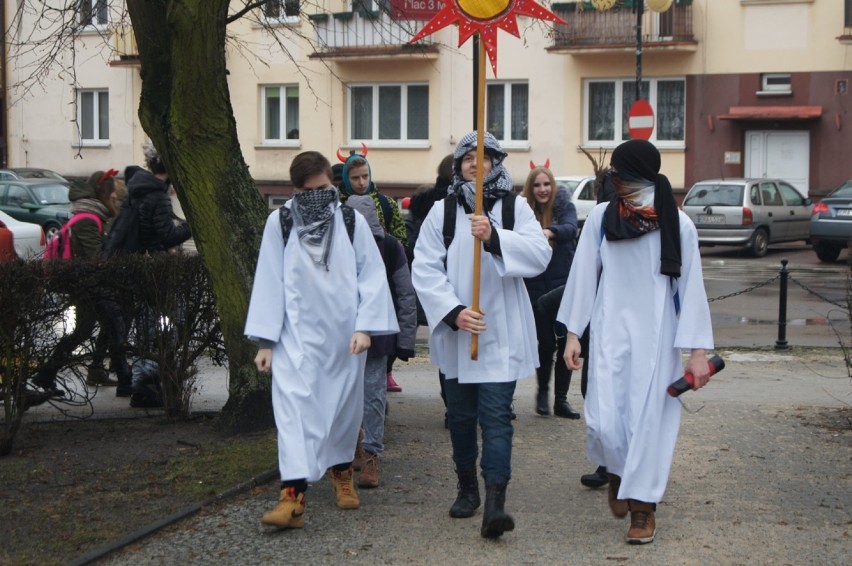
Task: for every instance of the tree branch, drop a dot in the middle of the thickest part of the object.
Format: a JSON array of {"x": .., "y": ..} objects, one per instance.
[{"x": 246, "y": 9}]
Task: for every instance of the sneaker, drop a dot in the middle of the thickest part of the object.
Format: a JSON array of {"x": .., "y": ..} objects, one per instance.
[
  {"x": 344, "y": 489},
  {"x": 393, "y": 386},
  {"x": 643, "y": 525},
  {"x": 369, "y": 476},
  {"x": 619, "y": 507},
  {"x": 290, "y": 512}
]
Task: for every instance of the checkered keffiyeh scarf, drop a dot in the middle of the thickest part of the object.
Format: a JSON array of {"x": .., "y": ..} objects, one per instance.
[
  {"x": 313, "y": 218},
  {"x": 495, "y": 185}
]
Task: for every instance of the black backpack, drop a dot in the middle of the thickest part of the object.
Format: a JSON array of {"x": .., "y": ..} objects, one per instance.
[
  {"x": 451, "y": 206},
  {"x": 123, "y": 236},
  {"x": 285, "y": 216}
]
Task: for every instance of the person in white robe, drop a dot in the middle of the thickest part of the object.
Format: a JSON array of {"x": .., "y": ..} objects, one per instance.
[
  {"x": 637, "y": 280},
  {"x": 480, "y": 389},
  {"x": 314, "y": 306}
]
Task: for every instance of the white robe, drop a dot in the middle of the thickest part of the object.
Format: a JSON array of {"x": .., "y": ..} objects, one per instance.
[
  {"x": 635, "y": 348},
  {"x": 508, "y": 349},
  {"x": 311, "y": 313}
]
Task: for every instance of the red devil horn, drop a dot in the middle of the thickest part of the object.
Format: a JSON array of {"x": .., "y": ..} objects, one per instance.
[
  {"x": 532, "y": 165},
  {"x": 364, "y": 147},
  {"x": 340, "y": 156},
  {"x": 547, "y": 164}
]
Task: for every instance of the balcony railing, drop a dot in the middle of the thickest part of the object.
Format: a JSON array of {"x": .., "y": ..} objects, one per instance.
[
  {"x": 365, "y": 34},
  {"x": 590, "y": 29},
  {"x": 124, "y": 48}
]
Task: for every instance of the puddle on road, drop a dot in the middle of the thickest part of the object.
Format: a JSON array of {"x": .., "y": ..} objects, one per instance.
[{"x": 746, "y": 321}]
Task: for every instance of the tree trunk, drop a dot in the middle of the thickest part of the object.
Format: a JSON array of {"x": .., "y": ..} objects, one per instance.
[{"x": 185, "y": 109}]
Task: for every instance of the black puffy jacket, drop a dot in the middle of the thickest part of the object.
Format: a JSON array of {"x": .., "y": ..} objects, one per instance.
[
  {"x": 157, "y": 228},
  {"x": 564, "y": 230}
]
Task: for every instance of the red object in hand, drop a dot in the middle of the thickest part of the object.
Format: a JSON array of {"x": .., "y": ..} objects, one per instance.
[{"x": 685, "y": 383}]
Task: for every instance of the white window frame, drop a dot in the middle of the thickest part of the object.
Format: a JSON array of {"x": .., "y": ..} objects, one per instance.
[
  {"x": 283, "y": 18},
  {"x": 775, "y": 84},
  {"x": 93, "y": 24},
  {"x": 97, "y": 140},
  {"x": 508, "y": 142},
  {"x": 374, "y": 140},
  {"x": 618, "y": 131},
  {"x": 370, "y": 5},
  {"x": 282, "y": 141}
]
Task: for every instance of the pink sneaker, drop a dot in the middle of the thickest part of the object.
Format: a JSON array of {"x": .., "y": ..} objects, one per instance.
[{"x": 393, "y": 386}]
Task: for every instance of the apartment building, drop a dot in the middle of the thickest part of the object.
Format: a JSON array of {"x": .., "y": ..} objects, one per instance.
[{"x": 738, "y": 88}]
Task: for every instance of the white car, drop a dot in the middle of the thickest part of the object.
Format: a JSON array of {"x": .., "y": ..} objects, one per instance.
[
  {"x": 582, "y": 190},
  {"x": 27, "y": 239}
]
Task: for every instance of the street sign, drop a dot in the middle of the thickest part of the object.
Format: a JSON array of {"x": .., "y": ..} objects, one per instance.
[
  {"x": 640, "y": 120},
  {"x": 423, "y": 10}
]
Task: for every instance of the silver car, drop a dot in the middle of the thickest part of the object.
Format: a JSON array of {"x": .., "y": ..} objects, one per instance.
[
  {"x": 831, "y": 223},
  {"x": 582, "y": 191},
  {"x": 748, "y": 212}
]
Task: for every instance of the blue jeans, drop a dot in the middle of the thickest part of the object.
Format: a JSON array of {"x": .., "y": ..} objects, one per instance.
[
  {"x": 491, "y": 405},
  {"x": 375, "y": 400}
]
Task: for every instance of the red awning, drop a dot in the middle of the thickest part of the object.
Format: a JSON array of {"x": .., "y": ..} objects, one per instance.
[{"x": 772, "y": 113}]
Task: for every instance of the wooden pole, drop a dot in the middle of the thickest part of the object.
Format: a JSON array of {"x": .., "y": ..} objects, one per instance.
[{"x": 480, "y": 157}]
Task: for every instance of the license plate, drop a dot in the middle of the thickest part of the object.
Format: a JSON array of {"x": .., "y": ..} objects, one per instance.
[
  {"x": 711, "y": 219},
  {"x": 844, "y": 212}
]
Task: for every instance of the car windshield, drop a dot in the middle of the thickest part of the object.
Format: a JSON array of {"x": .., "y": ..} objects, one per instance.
[
  {"x": 568, "y": 185},
  {"x": 39, "y": 174},
  {"x": 51, "y": 194},
  {"x": 715, "y": 195}
]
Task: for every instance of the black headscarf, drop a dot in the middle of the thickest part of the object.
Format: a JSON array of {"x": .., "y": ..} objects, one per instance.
[{"x": 638, "y": 162}]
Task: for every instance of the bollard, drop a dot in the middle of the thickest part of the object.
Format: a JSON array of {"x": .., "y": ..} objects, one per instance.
[{"x": 781, "y": 343}]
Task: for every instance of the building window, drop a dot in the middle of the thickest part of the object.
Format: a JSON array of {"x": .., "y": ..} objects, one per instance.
[
  {"x": 507, "y": 111},
  {"x": 847, "y": 13},
  {"x": 93, "y": 13},
  {"x": 775, "y": 84},
  {"x": 394, "y": 113},
  {"x": 280, "y": 108},
  {"x": 604, "y": 99},
  {"x": 93, "y": 116},
  {"x": 281, "y": 10}
]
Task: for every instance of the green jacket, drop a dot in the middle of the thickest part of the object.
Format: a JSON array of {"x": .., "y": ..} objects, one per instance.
[
  {"x": 396, "y": 226},
  {"x": 86, "y": 241}
]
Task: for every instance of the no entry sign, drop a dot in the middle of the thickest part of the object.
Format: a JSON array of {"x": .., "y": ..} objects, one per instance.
[{"x": 640, "y": 120}]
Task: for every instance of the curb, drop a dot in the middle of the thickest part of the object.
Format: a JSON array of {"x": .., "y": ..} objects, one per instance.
[{"x": 148, "y": 530}]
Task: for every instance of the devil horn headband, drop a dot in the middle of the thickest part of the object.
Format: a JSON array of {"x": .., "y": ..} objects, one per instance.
[
  {"x": 343, "y": 159},
  {"x": 107, "y": 175},
  {"x": 546, "y": 164}
]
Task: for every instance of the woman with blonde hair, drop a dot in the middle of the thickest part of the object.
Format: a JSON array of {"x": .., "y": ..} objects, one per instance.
[{"x": 558, "y": 218}]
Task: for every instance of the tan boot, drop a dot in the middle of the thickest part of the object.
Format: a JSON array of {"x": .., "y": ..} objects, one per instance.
[
  {"x": 360, "y": 455},
  {"x": 290, "y": 512},
  {"x": 619, "y": 507},
  {"x": 643, "y": 525},
  {"x": 344, "y": 489},
  {"x": 369, "y": 476}
]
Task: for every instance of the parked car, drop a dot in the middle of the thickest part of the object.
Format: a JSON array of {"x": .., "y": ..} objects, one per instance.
[
  {"x": 20, "y": 239},
  {"x": 831, "y": 223},
  {"x": 39, "y": 202},
  {"x": 753, "y": 213},
  {"x": 30, "y": 173},
  {"x": 582, "y": 189}
]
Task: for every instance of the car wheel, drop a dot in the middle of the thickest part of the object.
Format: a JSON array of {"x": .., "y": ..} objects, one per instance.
[
  {"x": 827, "y": 252},
  {"x": 50, "y": 231},
  {"x": 759, "y": 243}
]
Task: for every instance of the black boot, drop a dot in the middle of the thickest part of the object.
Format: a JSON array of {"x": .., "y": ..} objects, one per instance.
[
  {"x": 598, "y": 478},
  {"x": 562, "y": 380},
  {"x": 467, "y": 500},
  {"x": 541, "y": 404},
  {"x": 495, "y": 521}
]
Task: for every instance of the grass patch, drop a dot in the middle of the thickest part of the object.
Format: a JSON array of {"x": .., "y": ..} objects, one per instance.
[{"x": 205, "y": 472}]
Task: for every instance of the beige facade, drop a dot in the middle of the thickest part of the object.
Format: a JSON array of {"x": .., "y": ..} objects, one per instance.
[{"x": 694, "y": 58}]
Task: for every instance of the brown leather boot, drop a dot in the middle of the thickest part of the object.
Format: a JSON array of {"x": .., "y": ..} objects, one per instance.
[
  {"x": 619, "y": 507},
  {"x": 360, "y": 455},
  {"x": 369, "y": 476},
  {"x": 344, "y": 489},
  {"x": 643, "y": 525},
  {"x": 290, "y": 512}
]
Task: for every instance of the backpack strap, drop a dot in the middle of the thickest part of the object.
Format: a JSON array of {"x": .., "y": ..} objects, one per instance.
[
  {"x": 85, "y": 216},
  {"x": 508, "y": 217},
  {"x": 449, "y": 229},
  {"x": 285, "y": 217}
]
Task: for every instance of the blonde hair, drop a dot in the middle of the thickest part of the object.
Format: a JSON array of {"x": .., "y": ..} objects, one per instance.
[{"x": 543, "y": 211}]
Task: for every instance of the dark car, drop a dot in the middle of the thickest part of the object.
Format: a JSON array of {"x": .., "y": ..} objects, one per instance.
[
  {"x": 831, "y": 223},
  {"x": 747, "y": 212},
  {"x": 39, "y": 202}
]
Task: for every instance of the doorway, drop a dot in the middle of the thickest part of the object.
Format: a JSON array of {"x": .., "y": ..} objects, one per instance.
[{"x": 779, "y": 154}]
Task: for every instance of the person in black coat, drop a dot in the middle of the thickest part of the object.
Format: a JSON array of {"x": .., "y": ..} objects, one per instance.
[{"x": 558, "y": 217}]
